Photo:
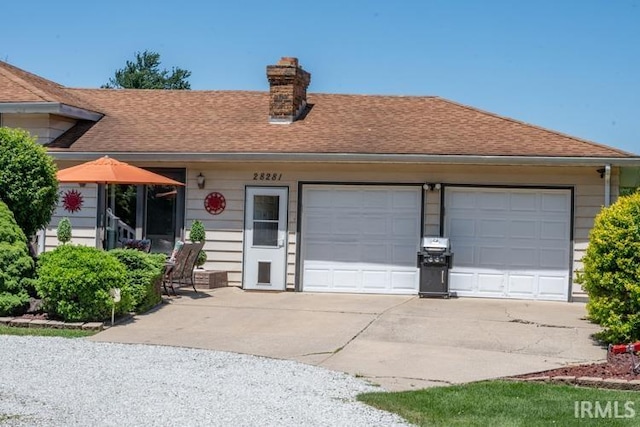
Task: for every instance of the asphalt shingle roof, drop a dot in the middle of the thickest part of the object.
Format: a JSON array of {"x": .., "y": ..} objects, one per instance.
[{"x": 167, "y": 121}]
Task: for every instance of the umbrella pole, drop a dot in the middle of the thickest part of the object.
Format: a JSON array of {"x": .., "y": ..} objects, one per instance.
[{"x": 111, "y": 233}]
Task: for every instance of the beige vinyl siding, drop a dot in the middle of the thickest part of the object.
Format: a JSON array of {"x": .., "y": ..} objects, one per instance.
[
  {"x": 83, "y": 222},
  {"x": 225, "y": 231},
  {"x": 45, "y": 127}
]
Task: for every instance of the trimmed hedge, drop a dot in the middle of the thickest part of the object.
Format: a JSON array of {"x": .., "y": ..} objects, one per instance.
[
  {"x": 74, "y": 282},
  {"x": 144, "y": 272},
  {"x": 16, "y": 266},
  {"x": 611, "y": 275}
]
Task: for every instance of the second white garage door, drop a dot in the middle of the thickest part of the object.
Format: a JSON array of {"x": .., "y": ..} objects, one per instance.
[
  {"x": 509, "y": 243},
  {"x": 360, "y": 238}
]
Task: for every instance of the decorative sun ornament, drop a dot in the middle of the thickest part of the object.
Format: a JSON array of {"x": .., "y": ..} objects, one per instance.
[
  {"x": 215, "y": 203},
  {"x": 72, "y": 201}
]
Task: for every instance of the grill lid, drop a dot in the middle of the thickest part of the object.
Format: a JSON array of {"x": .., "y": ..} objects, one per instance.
[{"x": 436, "y": 244}]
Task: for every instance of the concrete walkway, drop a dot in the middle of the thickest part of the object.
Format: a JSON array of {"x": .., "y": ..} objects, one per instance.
[{"x": 399, "y": 342}]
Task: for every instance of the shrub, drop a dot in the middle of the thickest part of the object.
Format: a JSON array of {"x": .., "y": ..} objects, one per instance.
[
  {"x": 198, "y": 234},
  {"x": 64, "y": 230},
  {"x": 74, "y": 282},
  {"x": 28, "y": 183},
  {"x": 144, "y": 272},
  {"x": 611, "y": 275},
  {"x": 16, "y": 266}
]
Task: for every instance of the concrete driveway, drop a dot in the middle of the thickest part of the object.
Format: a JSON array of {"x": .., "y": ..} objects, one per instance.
[{"x": 399, "y": 342}]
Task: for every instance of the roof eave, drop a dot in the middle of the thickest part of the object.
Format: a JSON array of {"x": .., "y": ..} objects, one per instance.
[
  {"x": 347, "y": 158},
  {"x": 49, "y": 108}
]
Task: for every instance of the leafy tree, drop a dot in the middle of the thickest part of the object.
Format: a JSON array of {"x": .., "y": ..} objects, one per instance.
[
  {"x": 145, "y": 73},
  {"x": 28, "y": 183}
]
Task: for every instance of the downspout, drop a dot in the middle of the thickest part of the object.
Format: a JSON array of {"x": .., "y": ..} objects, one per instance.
[{"x": 607, "y": 185}]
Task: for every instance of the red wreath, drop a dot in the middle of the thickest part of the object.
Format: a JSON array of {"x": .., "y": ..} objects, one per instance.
[
  {"x": 215, "y": 203},
  {"x": 72, "y": 201}
]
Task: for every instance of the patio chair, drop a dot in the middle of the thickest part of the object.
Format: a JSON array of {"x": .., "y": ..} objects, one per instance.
[
  {"x": 174, "y": 267},
  {"x": 185, "y": 263}
]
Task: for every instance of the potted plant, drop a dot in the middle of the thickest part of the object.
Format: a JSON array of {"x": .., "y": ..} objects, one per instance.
[
  {"x": 64, "y": 230},
  {"x": 197, "y": 234}
]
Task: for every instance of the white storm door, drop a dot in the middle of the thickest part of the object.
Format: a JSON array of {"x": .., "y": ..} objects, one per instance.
[{"x": 265, "y": 238}]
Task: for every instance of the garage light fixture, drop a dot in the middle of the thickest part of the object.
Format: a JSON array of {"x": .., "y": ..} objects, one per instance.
[{"x": 431, "y": 187}]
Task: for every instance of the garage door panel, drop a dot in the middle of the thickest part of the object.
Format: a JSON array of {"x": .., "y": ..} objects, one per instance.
[
  {"x": 404, "y": 254},
  {"x": 494, "y": 202},
  {"x": 492, "y": 256},
  {"x": 492, "y": 228},
  {"x": 555, "y": 259},
  {"x": 549, "y": 287},
  {"x": 555, "y": 203},
  {"x": 375, "y": 200},
  {"x": 492, "y": 283},
  {"x": 409, "y": 200},
  {"x": 526, "y": 244},
  {"x": 367, "y": 243},
  {"x": 374, "y": 253},
  {"x": 464, "y": 255},
  {"x": 319, "y": 198},
  {"x": 346, "y": 223},
  {"x": 554, "y": 230},
  {"x": 462, "y": 281},
  {"x": 523, "y": 229},
  {"x": 403, "y": 281},
  {"x": 346, "y": 278},
  {"x": 319, "y": 225},
  {"x": 523, "y": 258},
  {"x": 462, "y": 227},
  {"x": 375, "y": 280},
  {"x": 525, "y": 202},
  {"x": 404, "y": 226},
  {"x": 523, "y": 285},
  {"x": 317, "y": 277},
  {"x": 466, "y": 201},
  {"x": 373, "y": 226}
]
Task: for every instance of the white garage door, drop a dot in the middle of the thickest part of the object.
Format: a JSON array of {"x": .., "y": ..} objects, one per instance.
[
  {"x": 360, "y": 238},
  {"x": 509, "y": 243}
]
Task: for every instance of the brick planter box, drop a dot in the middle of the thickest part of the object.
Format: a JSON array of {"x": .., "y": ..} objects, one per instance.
[{"x": 210, "y": 279}]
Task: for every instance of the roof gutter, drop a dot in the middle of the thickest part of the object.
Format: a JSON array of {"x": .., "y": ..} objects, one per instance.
[
  {"x": 49, "y": 108},
  {"x": 345, "y": 158}
]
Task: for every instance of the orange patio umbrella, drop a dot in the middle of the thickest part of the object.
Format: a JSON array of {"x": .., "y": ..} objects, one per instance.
[{"x": 106, "y": 170}]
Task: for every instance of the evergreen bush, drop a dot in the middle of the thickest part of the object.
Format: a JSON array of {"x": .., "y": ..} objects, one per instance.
[
  {"x": 611, "y": 274},
  {"x": 16, "y": 266}
]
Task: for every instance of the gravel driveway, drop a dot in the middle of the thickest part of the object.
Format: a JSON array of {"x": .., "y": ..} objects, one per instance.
[{"x": 76, "y": 382}]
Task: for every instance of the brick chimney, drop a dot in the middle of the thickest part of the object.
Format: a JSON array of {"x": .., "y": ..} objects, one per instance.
[{"x": 288, "y": 84}]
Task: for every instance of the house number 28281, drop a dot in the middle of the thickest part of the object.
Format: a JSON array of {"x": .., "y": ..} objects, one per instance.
[{"x": 267, "y": 176}]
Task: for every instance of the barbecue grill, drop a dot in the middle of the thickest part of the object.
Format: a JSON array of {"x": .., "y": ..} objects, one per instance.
[{"x": 434, "y": 261}]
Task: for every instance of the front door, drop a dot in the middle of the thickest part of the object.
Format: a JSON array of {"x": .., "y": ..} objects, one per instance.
[{"x": 265, "y": 238}]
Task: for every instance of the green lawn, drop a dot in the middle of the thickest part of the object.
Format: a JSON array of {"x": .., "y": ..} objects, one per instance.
[
  {"x": 45, "y": 332},
  {"x": 506, "y": 403}
]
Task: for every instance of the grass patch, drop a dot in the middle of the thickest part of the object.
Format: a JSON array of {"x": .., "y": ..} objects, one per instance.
[
  {"x": 45, "y": 332},
  {"x": 507, "y": 403}
]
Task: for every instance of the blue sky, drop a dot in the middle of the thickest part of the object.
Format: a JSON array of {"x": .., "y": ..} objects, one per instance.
[{"x": 568, "y": 65}]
